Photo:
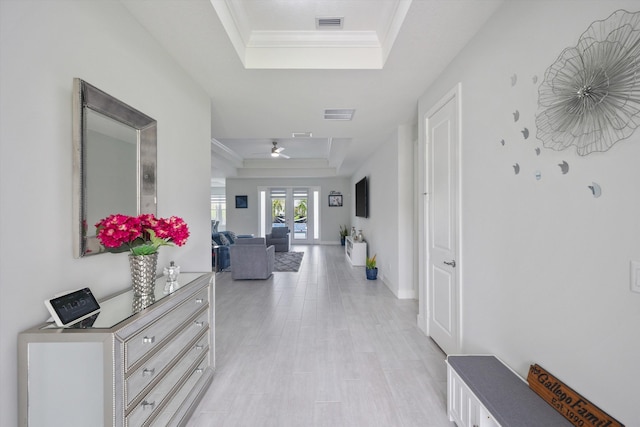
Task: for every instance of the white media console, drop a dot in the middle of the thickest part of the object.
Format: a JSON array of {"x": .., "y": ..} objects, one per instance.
[{"x": 355, "y": 251}]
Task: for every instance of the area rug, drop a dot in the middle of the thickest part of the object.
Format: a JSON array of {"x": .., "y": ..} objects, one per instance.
[{"x": 288, "y": 261}]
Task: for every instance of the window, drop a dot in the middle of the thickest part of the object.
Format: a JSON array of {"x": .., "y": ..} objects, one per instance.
[{"x": 219, "y": 210}]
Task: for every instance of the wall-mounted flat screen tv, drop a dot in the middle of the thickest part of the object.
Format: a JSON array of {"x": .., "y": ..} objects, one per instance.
[{"x": 362, "y": 198}]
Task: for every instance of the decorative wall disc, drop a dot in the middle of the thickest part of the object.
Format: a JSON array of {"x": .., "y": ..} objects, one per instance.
[{"x": 590, "y": 96}]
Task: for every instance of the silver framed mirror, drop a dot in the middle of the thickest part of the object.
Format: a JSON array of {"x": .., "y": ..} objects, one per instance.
[{"x": 114, "y": 163}]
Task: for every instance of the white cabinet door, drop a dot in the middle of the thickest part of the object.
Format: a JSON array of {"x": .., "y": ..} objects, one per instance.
[
  {"x": 472, "y": 409},
  {"x": 454, "y": 397},
  {"x": 485, "y": 419},
  {"x": 463, "y": 407}
]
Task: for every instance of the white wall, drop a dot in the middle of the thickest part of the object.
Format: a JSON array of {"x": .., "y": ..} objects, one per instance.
[
  {"x": 389, "y": 228},
  {"x": 44, "y": 45},
  {"x": 246, "y": 221},
  {"x": 544, "y": 264}
]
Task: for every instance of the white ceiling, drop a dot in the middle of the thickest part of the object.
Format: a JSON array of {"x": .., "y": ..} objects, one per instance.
[
  {"x": 281, "y": 34},
  {"x": 270, "y": 73}
]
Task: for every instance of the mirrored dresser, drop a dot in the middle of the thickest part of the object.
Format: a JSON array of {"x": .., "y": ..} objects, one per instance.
[{"x": 125, "y": 366}]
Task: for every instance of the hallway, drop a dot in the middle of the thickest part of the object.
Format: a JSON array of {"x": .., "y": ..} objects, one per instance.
[{"x": 321, "y": 347}]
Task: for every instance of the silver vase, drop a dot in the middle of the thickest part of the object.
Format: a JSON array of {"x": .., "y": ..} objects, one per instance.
[
  {"x": 140, "y": 302},
  {"x": 143, "y": 274}
]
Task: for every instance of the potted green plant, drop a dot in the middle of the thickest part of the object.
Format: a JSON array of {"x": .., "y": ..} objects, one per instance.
[
  {"x": 344, "y": 232},
  {"x": 371, "y": 269}
]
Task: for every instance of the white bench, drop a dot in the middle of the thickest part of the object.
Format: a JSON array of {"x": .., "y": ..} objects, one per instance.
[{"x": 484, "y": 392}]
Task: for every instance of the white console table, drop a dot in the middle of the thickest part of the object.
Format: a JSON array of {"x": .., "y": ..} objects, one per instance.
[
  {"x": 484, "y": 392},
  {"x": 126, "y": 369},
  {"x": 355, "y": 251}
]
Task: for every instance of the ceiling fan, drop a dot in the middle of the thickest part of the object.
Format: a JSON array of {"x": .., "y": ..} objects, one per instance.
[{"x": 277, "y": 151}]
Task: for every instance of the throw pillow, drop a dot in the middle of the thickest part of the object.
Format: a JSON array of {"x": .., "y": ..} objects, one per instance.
[
  {"x": 224, "y": 240},
  {"x": 232, "y": 236}
]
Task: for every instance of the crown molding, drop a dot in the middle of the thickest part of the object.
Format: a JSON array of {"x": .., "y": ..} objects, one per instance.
[{"x": 308, "y": 49}]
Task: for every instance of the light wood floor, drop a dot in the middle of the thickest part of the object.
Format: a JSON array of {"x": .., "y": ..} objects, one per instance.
[{"x": 321, "y": 347}]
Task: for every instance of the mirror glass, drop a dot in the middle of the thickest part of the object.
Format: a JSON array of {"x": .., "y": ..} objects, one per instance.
[
  {"x": 114, "y": 163},
  {"x": 111, "y": 158}
]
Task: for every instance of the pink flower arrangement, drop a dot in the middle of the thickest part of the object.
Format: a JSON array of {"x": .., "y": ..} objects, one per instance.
[{"x": 142, "y": 235}]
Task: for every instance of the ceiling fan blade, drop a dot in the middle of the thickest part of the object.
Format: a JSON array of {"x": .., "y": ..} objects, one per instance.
[{"x": 277, "y": 151}]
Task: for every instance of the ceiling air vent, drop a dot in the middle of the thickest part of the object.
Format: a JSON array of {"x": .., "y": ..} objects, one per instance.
[
  {"x": 301, "y": 134},
  {"x": 329, "y": 23},
  {"x": 339, "y": 114}
]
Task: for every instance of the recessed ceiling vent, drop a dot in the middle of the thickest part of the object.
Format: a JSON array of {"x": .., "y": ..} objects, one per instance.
[
  {"x": 339, "y": 114},
  {"x": 329, "y": 23},
  {"x": 301, "y": 134}
]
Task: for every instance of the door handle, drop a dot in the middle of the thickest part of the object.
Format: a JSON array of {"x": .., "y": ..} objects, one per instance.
[{"x": 452, "y": 263}]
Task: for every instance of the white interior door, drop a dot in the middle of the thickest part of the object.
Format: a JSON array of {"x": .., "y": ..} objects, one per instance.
[{"x": 443, "y": 291}]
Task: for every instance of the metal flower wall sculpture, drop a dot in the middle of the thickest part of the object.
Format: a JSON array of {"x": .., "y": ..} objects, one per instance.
[{"x": 590, "y": 96}]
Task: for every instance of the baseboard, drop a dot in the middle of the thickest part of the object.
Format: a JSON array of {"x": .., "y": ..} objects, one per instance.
[
  {"x": 328, "y": 242},
  {"x": 422, "y": 323},
  {"x": 407, "y": 294},
  {"x": 400, "y": 294}
]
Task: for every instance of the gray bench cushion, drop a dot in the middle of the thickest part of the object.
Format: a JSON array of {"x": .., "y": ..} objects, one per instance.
[{"x": 505, "y": 395}]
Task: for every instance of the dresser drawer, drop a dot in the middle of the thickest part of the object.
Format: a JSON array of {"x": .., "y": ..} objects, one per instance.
[
  {"x": 153, "y": 335},
  {"x": 170, "y": 415},
  {"x": 163, "y": 391},
  {"x": 155, "y": 367}
]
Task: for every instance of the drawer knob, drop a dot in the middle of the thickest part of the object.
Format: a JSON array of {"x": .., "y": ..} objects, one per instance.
[
  {"x": 199, "y": 346},
  {"x": 149, "y": 340},
  {"x": 199, "y": 300},
  {"x": 148, "y": 405},
  {"x": 148, "y": 372},
  {"x": 199, "y": 370},
  {"x": 199, "y": 324}
]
